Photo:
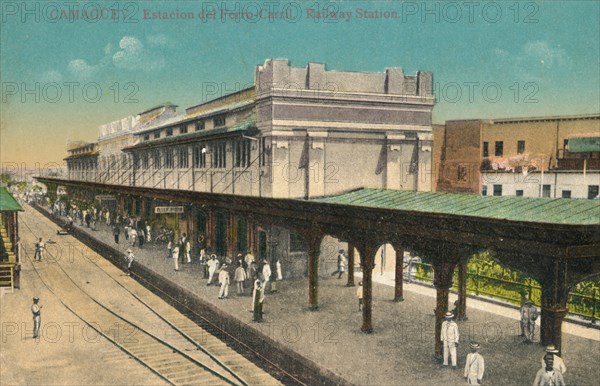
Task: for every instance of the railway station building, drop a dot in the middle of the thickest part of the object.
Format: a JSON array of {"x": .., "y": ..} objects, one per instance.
[
  {"x": 307, "y": 160},
  {"x": 297, "y": 132}
]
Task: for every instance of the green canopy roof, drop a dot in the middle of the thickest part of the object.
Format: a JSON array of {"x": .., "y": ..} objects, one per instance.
[
  {"x": 584, "y": 144},
  {"x": 543, "y": 210},
  {"x": 7, "y": 201}
]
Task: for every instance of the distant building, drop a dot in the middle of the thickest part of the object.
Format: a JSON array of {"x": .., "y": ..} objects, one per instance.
[{"x": 530, "y": 157}]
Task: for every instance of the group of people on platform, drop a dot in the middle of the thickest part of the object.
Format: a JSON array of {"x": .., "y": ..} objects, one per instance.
[{"x": 550, "y": 374}]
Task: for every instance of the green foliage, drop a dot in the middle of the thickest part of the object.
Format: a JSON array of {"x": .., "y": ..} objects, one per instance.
[{"x": 488, "y": 278}]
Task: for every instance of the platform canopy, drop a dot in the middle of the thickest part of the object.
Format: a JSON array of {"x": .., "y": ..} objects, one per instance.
[
  {"x": 584, "y": 144},
  {"x": 521, "y": 209},
  {"x": 8, "y": 202}
]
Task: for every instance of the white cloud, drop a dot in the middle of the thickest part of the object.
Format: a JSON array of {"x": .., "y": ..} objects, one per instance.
[
  {"x": 51, "y": 76},
  {"x": 157, "y": 40},
  {"x": 134, "y": 56},
  {"x": 539, "y": 59},
  {"x": 500, "y": 52},
  {"x": 545, "y": 54},
  {"x": 81, "y": 69}
]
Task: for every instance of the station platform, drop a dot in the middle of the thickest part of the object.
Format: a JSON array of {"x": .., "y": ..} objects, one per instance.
[{"x": 400, "y": 350}]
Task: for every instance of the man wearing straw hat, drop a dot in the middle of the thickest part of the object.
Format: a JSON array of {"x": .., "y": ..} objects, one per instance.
[
  {"x": 450, "y": 338},
  {"x": 548, "y": 375},
  {"x": 474, "y": 366},
  {"x": 558, "y": 364}
]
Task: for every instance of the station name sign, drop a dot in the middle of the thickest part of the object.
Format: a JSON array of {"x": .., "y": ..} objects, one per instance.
[
  {"x": 105, "y": 197},
  {"x": 168, "y": 209}
]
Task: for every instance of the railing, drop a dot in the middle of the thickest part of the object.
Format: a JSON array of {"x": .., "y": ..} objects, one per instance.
[
  {"x": 583, "y": 305},
  {"x": 7, "y": 275}
]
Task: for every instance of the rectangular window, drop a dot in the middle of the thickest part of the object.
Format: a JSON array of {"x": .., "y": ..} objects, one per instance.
[
  {"x": 199, "y": 157},
  {"x": 169, "y": 131},
  {"x": 156, "y": 158},
  {"x": 183, "y": 158},
  {"x": 497, "y": 190},
  {"x": 199, "y": 125},
  {"x": 546, "y": 191},
  {"x": 499, "y": 149},
  {"x": 593, "y": 191},
  {"x": 169, "y": 158},
  {"x": 242, "y": 153},
  {"x": 219, "y": 121},
  {"x": 147, "y": 137},
  {"x": 484, "y": 190},
  {"x": 520, "y": 147},
  {"x": 145, "y": 160},
  {"x": 566, "y": 194},
  {"x": 519, "y": 193},
  {"x": 183, "y": 129},
  {"x": 486, "y": 149},
  {"x": 297, "y": 243},
  {"x": 157, "y": 135},
  {"x": 219, "y": 155}
]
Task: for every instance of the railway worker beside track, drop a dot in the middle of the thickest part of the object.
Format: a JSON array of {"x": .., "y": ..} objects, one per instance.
[
  {"x": 529, "y": 315},
  {"x": 170, "y": 248},
  {"x": 213, "y": 264},
  {"x": 224, "y": 281},
  {"x": 258, "y": 298},
  {"x": 239, "y": 277},
  {"x": 129, "y": 260},
  {"x": 474, "y": 366},
  {"x": 39, "y": 250},
  {"x": 450, "y": 338},
  {"x": 548, "y": 375},
  {"x": 176, "y": 257},
  {"x": 37, "y": 317}
]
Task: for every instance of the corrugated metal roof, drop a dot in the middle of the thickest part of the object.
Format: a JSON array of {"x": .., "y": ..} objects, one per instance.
[
  {"x": 7, "y": 201},
  {"x": 522, "y": 209}
]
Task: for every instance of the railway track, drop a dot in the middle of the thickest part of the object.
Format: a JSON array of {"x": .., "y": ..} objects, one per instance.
[{"x": 167, "y": 361}]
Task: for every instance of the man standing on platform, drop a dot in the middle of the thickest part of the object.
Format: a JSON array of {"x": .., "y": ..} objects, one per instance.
[
  {"x": 266, "y": 272},
  {"x": 212, "y": 268},
  {"x": 474, "y": 366},
  {"x": 37, "y": 318},
  {"x": 341, "y": 264},
  {"x": 548, "y": 375},
  {"x": 450, "y": 338},
  {"x": 559, "y": 364},
  {"x": 175, "y": 253},
  {"x": 529, "y": 315},
  {"x": 224, "y": 281},
  {"x": 258, "y": 298}
]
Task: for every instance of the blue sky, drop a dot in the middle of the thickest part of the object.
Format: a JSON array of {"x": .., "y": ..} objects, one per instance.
[{"x": 543, "y": 57}]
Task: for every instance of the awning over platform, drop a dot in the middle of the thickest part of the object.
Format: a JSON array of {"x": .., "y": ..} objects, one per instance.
[
  {"x": 7, "y": 202},
  {"x": 543, "y": 210},
  {"x": 584, "y": 145}
]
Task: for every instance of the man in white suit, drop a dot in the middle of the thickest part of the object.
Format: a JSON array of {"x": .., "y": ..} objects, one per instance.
[{"x": 450, "y": 338}]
